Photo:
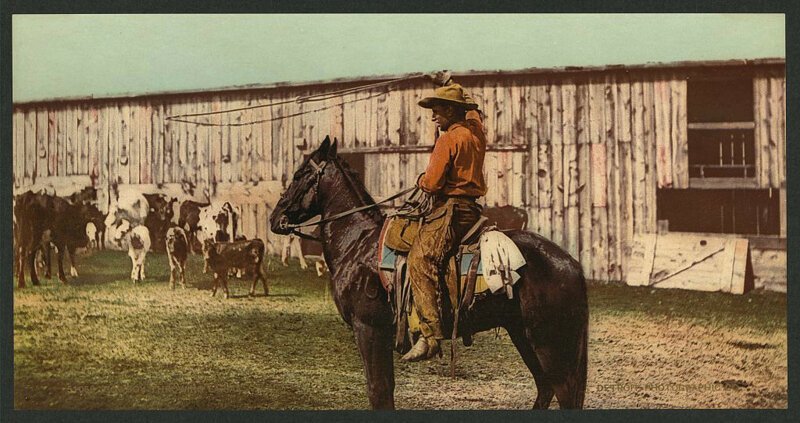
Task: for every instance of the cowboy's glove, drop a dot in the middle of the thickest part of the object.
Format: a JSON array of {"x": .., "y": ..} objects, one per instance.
[{"x": 418, "y": 178}]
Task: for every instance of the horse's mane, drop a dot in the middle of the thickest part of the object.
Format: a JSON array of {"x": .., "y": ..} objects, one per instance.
[{"x": 354, "y": 176}]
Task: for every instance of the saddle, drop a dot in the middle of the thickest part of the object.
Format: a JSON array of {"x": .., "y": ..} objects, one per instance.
[{"x": 466, "y": 280}]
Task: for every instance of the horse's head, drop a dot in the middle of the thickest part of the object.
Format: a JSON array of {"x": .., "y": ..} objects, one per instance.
[{"x": 301, "y": 200}]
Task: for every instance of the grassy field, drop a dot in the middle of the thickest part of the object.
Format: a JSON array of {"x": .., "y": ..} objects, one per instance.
[{"x": 103, "y": 343}]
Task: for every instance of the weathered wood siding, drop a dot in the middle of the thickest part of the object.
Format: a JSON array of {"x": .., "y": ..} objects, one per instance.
[
  {"x": 583, "y": 153},
  {"x": 770, "y": 130}
]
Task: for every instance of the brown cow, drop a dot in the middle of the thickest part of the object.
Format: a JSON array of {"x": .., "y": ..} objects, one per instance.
[
  {"x": 222, "y": 256},
  {"x": 159, "y": 218},
  {"x": 38, "y": 215}
]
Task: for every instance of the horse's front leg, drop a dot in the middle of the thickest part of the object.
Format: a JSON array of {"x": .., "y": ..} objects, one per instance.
[{"x": 375, "y": 346}]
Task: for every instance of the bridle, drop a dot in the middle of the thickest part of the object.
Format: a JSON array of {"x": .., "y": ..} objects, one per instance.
[{"x": 319, "y": 169}]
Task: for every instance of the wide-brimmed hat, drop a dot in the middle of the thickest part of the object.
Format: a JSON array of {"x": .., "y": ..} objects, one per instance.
[{"x": 449, "y": 94}]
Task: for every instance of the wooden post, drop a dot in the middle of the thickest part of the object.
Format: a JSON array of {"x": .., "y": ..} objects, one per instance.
[
  {"x": 650, "y": 154},
  {"x": 599, "y": 180},
  {"x": 679, "y": 134},
  {"x": 782, "y": 212},
  {"x": 532, "y": 131},
  {"x": 114, "y": 123},
  {"x": 264, "y": 141},
  {"x": 623, "y": 125},
  {"x": 545, "y": 187},
  {"x": 18, "y": 148},
  {"x": 613, "y": 172},
  {"x": 663, "y": 133},
  {"x": 570, "y": 184},
  {"x": 42, "y": 144},
  {"x": 30, "y": 144},
  {"x": 146, "y": 143},
  {"x": 103, "y": 156},
  {"x": 135, "y": 144},
  {"x": 584, "y": 177},
  {"x": 557, "y": 165},
  {"x": 775, "y": 143},
  {"x": 68, "y": 121},
  {"x": 60, "y": 167},
  {"x": 760, "y": 90},
  {"x": 639, "y": 158}
]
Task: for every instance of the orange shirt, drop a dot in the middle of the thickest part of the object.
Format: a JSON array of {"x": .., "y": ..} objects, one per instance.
[{"x": 456, "y": 164}]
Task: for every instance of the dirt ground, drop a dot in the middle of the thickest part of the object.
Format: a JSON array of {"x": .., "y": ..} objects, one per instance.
[{"x": 103, "y": 343}]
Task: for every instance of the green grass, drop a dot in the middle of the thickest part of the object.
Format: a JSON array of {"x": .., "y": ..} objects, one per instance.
[
  {"x": 101, "y": 342},
  {"x": 758, "y": 310}
]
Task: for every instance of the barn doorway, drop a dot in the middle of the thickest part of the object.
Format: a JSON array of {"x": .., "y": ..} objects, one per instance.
[{"x": 730, "y": 211}]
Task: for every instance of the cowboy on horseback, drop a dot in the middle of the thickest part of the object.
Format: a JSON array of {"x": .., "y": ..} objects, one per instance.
[{"x": 454, "y": 179}]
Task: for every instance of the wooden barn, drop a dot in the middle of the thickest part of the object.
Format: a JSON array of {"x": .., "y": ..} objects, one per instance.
[{"x": 596, "y": 156}]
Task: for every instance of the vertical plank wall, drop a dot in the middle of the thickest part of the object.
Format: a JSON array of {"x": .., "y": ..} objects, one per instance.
[{"x": 583, "y": 154}]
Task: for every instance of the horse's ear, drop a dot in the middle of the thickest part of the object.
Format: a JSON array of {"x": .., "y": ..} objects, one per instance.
[
  {"x": 326, "y": 144},
  {"x": 334, "y": 146}
]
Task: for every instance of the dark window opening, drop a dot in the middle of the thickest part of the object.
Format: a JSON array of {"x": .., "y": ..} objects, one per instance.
[
  {"x": 721, "y": 128},
  {"x": 721, "y": 153},
  {"x": 720, "y": 100},
  {"x": 731, "y": 211}
]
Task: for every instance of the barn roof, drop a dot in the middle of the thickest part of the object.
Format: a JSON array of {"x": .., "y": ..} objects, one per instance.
[{"x": 578, "y": 70}]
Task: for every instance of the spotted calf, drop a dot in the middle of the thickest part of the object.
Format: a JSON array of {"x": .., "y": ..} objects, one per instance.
[{"x": 222, "y": 256}]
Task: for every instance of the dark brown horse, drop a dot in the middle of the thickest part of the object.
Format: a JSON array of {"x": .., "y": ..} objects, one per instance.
[{"x": 547, "y": 320}]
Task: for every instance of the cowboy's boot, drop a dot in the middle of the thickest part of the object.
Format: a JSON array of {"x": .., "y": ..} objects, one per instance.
[{"x": 424, "y": 349}]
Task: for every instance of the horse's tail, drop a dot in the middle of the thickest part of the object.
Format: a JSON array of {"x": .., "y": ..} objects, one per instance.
[
  {"x": 578, "y": 382},
  {"x": 576, "y": 379}
]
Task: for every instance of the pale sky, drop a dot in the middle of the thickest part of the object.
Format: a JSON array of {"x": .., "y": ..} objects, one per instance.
[{"x": 58, "y": 56}]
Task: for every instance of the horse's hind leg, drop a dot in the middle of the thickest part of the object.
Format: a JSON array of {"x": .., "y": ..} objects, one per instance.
[
  {"x": 544, "y": 390},
  {"x": 550, "y": 365}
]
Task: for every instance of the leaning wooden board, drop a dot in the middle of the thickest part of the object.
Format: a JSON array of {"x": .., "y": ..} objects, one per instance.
[{"x": 690, "y": 261}]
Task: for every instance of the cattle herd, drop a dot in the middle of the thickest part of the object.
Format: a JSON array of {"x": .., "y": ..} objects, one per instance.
[
  {"x": 45, "y": 222},
  {"x": 139, "y": 222}
]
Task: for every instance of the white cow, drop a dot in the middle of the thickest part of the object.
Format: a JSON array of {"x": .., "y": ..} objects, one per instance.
[
  {"x": 217, "y": 222},
  {"x": 137, "y": 240}
]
